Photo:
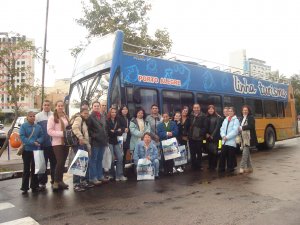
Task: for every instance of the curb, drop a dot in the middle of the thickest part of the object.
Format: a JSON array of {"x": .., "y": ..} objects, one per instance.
[{"x": 11, "y": 175}]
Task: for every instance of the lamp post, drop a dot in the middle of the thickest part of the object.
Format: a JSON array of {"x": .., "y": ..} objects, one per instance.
[{"x": 44, "y": 54}]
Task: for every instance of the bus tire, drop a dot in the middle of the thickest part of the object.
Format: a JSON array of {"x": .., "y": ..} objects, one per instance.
[{"x": 270, "y": 138}]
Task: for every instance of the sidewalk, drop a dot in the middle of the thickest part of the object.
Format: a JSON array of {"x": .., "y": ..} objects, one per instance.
[{"x": 10, "y": 168}]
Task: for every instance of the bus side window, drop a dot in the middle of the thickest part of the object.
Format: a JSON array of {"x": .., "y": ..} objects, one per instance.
[
  {"x": 255, "y": 106},
  {"x": 174, "y": 101},
  {"x": 270, "y": 108},
  {"x": 207, "y": 99},
  {"x": 236, "y": 102},
  {"x": 141, "y": 97},
  {"x": 280, "y": 106}
]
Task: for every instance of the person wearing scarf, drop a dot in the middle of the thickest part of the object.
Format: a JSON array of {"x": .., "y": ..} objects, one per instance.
[
  {"x": 249, "y": 139},
  {"x": 229, "y": 131}
]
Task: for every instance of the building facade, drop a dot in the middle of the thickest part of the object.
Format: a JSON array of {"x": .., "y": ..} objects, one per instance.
[{"x": 25, "y": 61}]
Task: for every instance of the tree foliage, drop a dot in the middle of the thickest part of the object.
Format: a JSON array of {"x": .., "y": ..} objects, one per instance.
[
  {"x": 13, "y": 49},
  {"x": 102, "y": 17}
]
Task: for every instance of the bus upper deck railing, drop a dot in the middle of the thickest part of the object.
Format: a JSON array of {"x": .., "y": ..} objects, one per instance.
[{"x": 212, "y": 65}]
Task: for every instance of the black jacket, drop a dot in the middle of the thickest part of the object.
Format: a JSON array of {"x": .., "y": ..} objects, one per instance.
[
  {"x": 250, "y": 126},
  {"x": 214, "y": 123},
  {"x": 197, "y": 130},
  {"x": 113, "y": 133},
  {"x": 124, "y": 123},
  {"x": 97, "y": 130}
]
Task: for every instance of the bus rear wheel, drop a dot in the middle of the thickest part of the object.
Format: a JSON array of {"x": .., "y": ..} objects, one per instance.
[{"x": 269, "y": 138}]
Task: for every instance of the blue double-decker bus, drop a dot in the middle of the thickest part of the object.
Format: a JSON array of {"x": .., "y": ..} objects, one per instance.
[{"x": 103, "y": 71}]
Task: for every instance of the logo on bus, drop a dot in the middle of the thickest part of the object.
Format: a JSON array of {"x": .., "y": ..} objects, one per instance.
[
  {"x": 243, "y": 87},
  {"x": 156, "y": 80}
]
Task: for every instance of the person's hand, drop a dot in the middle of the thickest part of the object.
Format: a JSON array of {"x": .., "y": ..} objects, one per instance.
[
  {"x": 126, "y": 130},
  {"x": 119, "y": 130},
  {"x": 207, "y": 135},
  {"x": 112, "y": 131},
  {"x": 169, "y": 134},
  {"x": 36, "y": 143},
  {"x": 225, "y": 138},
  {"x": 89, "y": 152},
  {"x": 81, "y": 142},
  {"x": 240, "y": 128},
  {"x": 148, "y": 157}
]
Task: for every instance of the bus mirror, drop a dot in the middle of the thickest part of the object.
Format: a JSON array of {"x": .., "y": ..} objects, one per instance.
[{"x": 137, "y": 96}]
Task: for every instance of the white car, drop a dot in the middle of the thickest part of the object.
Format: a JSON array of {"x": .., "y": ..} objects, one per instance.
[{"x": 20, "y": 121}]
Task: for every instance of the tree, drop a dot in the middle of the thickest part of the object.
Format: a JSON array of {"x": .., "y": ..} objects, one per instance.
[
  {"x": 295, "y": 81},
  {"x": 13, "y": 49},
  {"x": 102, "y": 17}
]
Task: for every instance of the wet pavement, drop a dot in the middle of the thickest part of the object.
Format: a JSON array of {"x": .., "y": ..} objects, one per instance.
[{"x": 270, "y": 195}]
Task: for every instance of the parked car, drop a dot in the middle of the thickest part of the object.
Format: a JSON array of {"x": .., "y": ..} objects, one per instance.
[
  {"x": 20, "y": 121},
  {"x": 2, "y": 137},
  {"x": 1, "y": 126}
]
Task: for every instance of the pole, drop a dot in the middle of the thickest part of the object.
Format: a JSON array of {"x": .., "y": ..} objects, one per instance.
[{"x": 44, "y": 54}]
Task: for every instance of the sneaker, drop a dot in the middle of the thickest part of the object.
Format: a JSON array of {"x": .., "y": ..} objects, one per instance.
[
  {"x": 122, "y": 178},
  {"x": 174, "y": 170},
  {"x": 78, "y": 188},
  {"x": 180, "y": 170},
  {"x": 62, "y": 185},
  {"x": 86, "y": 185},
  {"x": 242, "y": 170},
  {"x": 55, "y": 186},
  {"x": 96, "y": 182}
]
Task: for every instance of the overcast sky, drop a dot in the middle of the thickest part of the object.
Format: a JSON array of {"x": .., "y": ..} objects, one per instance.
[{"x": 206, "y": 29}]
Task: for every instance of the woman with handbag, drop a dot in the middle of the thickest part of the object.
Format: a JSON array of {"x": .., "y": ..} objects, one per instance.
[
  {"x": 248, "y": 138},
  {"x": 31, "y": 135},
  {"x": 56, "y": 126},
  {"x": 80, "y": 129},
  {"x": 114, "y": 130},
  {"x": 214, "y": 123},
  {"x": 138, "y": 127},
  {"x": 229, "y": 131},
  {"x": 124, "y": 119}
]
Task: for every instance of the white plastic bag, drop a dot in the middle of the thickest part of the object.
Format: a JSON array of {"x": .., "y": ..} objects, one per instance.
[
  {"x": 144, "y": 170},
  {"x": 120, "y": 141},
  {"x": 170, "y": 148},
  {"x": 39, "y": 162},
  {"x": 79, "y": 164},
  {"x": 182, "y": 160},
  {"x": 107, "y": 158}
]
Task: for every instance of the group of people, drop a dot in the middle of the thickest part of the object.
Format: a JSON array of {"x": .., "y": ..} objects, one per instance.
[{"x": 141, "y": 137}]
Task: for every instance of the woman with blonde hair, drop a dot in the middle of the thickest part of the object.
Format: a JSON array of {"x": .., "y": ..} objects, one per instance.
[{"x": 56, "y": 126}]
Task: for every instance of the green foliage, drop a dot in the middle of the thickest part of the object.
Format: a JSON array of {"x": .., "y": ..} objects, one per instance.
[{"x": 102, "y": 17}]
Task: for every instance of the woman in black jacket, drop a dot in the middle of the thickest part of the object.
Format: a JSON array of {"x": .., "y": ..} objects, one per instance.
[
  {"x": 124, "y": 119},
  {"x": 249, "y": 138},
  {"x": 214, "y": 123},
  {"x": 114, "y": 130},
  {"x": 98, "y": 134}
]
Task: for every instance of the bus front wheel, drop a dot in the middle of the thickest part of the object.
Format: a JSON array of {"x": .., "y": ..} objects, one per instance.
[{"x": 269, "y": 138}]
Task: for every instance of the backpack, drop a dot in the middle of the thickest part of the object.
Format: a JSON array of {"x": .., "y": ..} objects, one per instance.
[{"x": 69, "y": 137}]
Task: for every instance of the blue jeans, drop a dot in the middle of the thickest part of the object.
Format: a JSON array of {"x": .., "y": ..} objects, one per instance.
[
  {"x": 95, "y": 163},
  {"x": 118, "y": 152}
]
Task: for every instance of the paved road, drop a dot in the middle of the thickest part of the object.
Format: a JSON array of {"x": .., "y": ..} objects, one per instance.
[{"x": 270, "y": 195}]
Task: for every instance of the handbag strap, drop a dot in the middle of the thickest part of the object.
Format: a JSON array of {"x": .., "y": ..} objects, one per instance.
[{"x": 31, "y": 132}]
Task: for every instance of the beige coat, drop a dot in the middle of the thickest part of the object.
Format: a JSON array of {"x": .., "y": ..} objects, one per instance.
[{"x": 81, "y": 134}]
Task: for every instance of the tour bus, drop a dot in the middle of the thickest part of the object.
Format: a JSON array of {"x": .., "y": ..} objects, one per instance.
[{"x": 103, "y": 71}]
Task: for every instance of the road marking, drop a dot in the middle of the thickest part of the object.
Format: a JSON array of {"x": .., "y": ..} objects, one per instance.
[
  {"x": 6, "y": 205},
  {"x": 23, "y": 221}
]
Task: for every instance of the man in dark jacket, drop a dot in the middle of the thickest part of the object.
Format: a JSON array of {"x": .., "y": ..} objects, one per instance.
[{"x": 196, "y": 136}]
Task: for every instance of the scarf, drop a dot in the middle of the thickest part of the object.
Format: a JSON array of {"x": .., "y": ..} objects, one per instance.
[{"x": 98, "y": 115}]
